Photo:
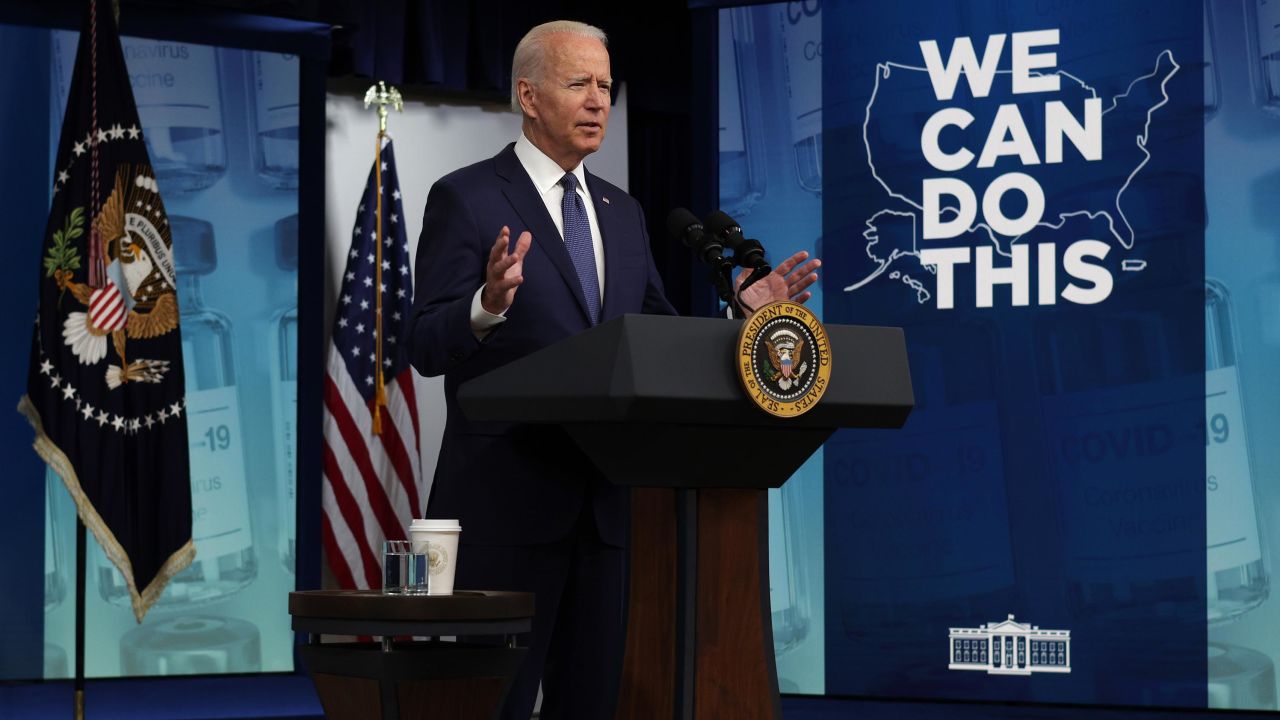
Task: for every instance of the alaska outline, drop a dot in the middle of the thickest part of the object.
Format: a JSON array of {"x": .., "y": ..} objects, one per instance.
[{"x": 885, "y": 69}]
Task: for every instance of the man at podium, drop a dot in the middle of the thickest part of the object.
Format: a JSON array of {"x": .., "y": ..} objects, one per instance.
[{"x": 517, "y": 253}]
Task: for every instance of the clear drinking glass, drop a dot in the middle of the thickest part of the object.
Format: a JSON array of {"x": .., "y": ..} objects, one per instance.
[
  {"x": 395, "y": 566},
  {"x": 419, "y": 576}
]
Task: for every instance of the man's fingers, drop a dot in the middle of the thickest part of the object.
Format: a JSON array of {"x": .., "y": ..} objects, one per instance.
[
  {"x": 505, "y": 283},
  {"x": 785, "y": 266},
  {"x": 499, "y": 249},
  {"x": 807, "y": 269},
  {"x": 796, "y": 287},
  {"x": 499, "y": 269},
  {"x": 522, "y": 244}
]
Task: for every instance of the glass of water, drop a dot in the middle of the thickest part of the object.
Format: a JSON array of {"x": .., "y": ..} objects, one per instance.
[
  {"x": 395, "y": 565},
  {"x": 419, "y": 577}
]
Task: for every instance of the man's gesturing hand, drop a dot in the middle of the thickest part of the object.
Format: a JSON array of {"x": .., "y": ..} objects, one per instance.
[
  {"x": 505, "y": 271},
  {"x": 789, "y": 281}
]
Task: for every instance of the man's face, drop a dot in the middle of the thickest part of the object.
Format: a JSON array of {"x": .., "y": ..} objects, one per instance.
[{"x": 568, "y": 107}]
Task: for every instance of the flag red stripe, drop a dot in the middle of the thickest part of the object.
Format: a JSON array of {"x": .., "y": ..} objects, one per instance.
[
  {"x": 351, "y": 516},
  {"x": 107, "y": 296},
  {"x": 114, "y": 322},
  {"x": 405, "y": 381},
  {"x": 394, "y": 447},
  {"x": 392, "y": 528},
  {"x": 108, "y": 310},
  {"x": 337, "y": 558}
]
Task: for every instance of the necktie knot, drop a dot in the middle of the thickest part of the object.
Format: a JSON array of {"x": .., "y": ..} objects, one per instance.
[{"x": 570, "y": 182}]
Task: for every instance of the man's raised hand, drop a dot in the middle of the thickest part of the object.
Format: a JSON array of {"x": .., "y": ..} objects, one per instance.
[
  {"x": 504, "y": 272},
  {"x": 790, "y": 280}
]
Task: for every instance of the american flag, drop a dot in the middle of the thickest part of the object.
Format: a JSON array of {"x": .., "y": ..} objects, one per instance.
[{"x": 371, "y": 489}]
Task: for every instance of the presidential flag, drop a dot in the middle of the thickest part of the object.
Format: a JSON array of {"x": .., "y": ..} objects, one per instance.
[
  {"x": 371, "y": 462},
  {"x": 105, "y": 390}
]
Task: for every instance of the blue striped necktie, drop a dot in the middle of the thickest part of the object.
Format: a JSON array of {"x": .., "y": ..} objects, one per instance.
[{"x": 577, "y": 240}]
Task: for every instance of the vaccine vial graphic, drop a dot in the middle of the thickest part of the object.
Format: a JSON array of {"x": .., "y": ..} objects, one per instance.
[
  {"x": 220, "y": 524},
  {"x": 176, "y": 87},
  {"x": 195, "y": 645},
  {"x": 1262, "y": 18},
  {"x": 1110, "y": 387},
  {"x": 285, "y": 395},
  {"x": 274, "y": 117},
  {"x": 801, "y": 24},
  {"x": 1236, "y": 570},
  {"x": 742, "y": 163},
  {"x": 1118, "y": 391},
  {"x": 917, "y": 519},
  {"x": 1240, "y": 678},
  {"x": 177, "y": 91},
  {"x": 788, "y": 566}
]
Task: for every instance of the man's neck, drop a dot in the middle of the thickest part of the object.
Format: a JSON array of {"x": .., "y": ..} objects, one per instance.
[{"x": 566, "y": 164}]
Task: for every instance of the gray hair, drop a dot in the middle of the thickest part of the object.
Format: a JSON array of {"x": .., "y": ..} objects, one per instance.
[{"x": 532, "y": 51}]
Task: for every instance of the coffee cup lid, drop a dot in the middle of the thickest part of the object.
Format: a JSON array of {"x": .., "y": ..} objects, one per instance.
[{"x": 435, "y": 525}]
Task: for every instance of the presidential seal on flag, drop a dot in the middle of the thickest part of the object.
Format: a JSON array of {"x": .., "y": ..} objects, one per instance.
[
  {"x": 141, "y": 261},
  {"x": 106, "y": 391}
]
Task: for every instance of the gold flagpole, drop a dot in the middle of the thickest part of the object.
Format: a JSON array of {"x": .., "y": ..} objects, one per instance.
[{"x": 382, "y": 96}]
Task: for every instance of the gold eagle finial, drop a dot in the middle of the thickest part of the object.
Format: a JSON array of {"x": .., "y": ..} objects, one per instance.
[{"x": 382, "y": 96}]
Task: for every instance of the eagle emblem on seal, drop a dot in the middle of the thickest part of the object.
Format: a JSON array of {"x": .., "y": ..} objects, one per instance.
[
  {"x": 786, "y": 365},
  {"x": 138, "y": 299}
]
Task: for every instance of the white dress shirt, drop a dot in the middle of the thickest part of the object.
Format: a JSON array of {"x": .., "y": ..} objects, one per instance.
[{"x": 545, "y": 174}]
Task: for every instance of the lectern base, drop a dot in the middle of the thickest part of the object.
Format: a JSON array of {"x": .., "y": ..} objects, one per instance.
[{"x": 699, "y": 634}]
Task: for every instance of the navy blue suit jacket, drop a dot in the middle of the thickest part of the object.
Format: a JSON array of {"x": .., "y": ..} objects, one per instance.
[{"x": 517, "y": 484}]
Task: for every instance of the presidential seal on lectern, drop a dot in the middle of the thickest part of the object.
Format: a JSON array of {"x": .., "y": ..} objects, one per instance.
[{"x": 784, "y": 359}]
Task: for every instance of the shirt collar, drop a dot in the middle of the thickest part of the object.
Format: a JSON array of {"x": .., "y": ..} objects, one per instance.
[{"x": 543, "y": 171}]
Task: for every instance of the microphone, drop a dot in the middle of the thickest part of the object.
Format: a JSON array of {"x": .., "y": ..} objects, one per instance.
[
  {"x": 746, "y": 253},
  {"x": 685, "y": 227}
]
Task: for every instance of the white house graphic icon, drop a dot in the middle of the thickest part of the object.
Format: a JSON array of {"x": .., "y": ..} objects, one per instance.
[{"x": 1010, "y": 648}]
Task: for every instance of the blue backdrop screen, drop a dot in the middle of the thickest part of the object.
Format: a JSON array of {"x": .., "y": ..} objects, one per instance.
[
  {"x": 1062, "y": 204},
  {"x": 221, "y": 127}
]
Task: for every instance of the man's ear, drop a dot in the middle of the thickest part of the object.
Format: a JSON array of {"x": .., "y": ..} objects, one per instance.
[{"x": 525, "y": 91}]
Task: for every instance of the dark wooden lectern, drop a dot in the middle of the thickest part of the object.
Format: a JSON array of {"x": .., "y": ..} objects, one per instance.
[{"x": 655, "y": 402}]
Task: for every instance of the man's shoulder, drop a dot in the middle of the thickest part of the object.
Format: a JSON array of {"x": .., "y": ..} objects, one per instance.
[
  {"x": 483, "y": 172},
  {"x": 600, "y": 186}
]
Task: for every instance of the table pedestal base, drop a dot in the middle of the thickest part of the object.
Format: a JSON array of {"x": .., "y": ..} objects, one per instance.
[{"x": 412, "y": 680}]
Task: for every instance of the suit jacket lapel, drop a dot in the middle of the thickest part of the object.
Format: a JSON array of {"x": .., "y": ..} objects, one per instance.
[
  {"x": 524, "y": 197},
  {"x": 612, "y": 235}
]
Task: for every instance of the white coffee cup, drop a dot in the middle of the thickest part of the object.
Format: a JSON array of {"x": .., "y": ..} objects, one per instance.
[{"x": 438, "y": 540}]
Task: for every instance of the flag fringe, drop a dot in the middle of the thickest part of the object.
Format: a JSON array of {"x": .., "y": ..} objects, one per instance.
[{"x": 57, "y": 460}]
